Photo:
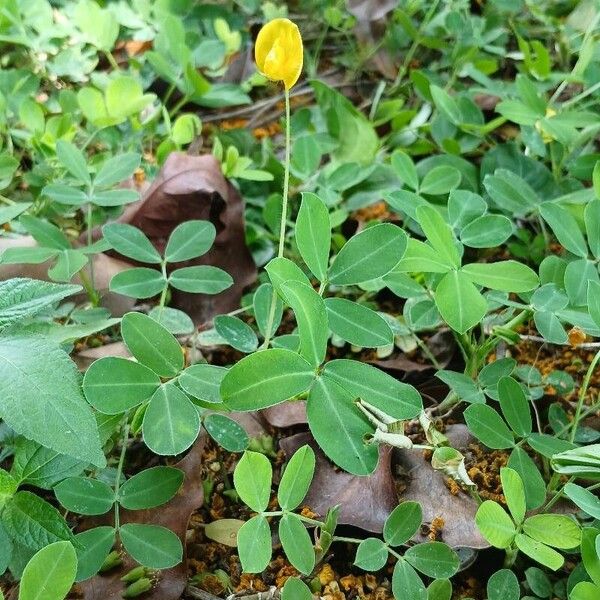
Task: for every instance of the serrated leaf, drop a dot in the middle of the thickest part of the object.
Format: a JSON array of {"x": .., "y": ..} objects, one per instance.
[
  {"x": 21, "y": 298},
  {"x": 43, "y": 401}
]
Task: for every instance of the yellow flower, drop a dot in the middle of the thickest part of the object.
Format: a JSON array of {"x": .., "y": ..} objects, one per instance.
[{"x": 278, "y": 51}]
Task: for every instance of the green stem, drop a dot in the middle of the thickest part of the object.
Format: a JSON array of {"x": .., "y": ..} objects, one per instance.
[
  {"x": 111, "y": 59},
  {"x": 582, "y": 393},
  {"x": 163, "y": 295},
  {"x": 416, "y": 43},
  {"x": 120, "y": 468},
  {"x": 89, "y": 243},
  {"x": 284, "y": 208}
]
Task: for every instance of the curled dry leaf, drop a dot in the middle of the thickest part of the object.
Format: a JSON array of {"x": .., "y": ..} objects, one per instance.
[
  {"x": 175, "y": 515},
  {"x": 428, "y": 488},
  {"x": 364, "y": 502},
  {"x": 193, "y": 187}
]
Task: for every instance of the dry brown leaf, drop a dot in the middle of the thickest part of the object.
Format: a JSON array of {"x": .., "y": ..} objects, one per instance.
[
  {"x": 428, "y": 487},
  {"x": 364, "y": 502},
  {"x": 193, "y": 187}
]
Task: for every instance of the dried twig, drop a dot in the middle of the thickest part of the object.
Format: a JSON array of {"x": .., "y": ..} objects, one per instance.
[
  {"x": 198, "y": 594},
  {"x": 541, "y": 340}
]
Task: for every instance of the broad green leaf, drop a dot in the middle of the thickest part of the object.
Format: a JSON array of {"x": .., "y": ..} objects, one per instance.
[
  {"x": 593, "y": 298},
  {"x": 266, "y": 378},
  {"x": 434, "y": 559},
  {"x": 339, "y": 428},
  {"x": 65, "y": 194},
  {"x": 406, "y": 583},
  {"x": 92, "y": 548},
  {"x": 113, "y": 198},
  {"x": 535, "y": 487},
  {"x": 439, "y": 589},
  {"x": 487, "y": 231},
  {"x": 150, "y": 487},
  {"x": 459, "y": 301},
  {"x": 371, "y": 554},
  {"x": 117, "y": 169},
  {"x": 42, "y": 399},
  {"x": 465, "y": 207},
  {"x": 404, "y": 166},
  {"x": 124, "y": 98},
  {"x": 506, "y": 276},
  {"x": 190, "y": 240},
  {"x": 514, "y": 492},
  {"x": 370, "y": 254},
  {"x": 282, "y": 270},
  {"x": 6, "y": 551},
  {"x": 440, "y": 180},
  {"x": 29, "y": 256},
  {"x": 263, "y": 298},
  {"x": 421, "y": 257},
  {"x": 405, "y": 201},
  {"x": 313, "y": 234},
  {"x": 357, "y": 324},
  {"x": 510, "y": 192},
  {"x": 44, "y": 233},
  {"x": 201, "y": 279},
  {"x": 295, "y": 589},
  {"x": 139, "y": 282},
  {"x": 402, "y": 523},
  {"x": 361, "y": 380},
  {"x": 592, "y": 224},
  {"x": 33, "y": 521},
  {"x": 311, "y": 317},
  {"x": 175, "y": 321},
  {"x": 463, "y": 386},
  {"x": 540, "y": 552},
  {"x": 565, "y": 228},
  {"x": 548, "y": 445},
  {"x": 73, "y": 160},
  {"x": 584, "y": 499},
  {"x": 85, "y": 496},
  {"x": 226, "y": 432},
  {"x": 296, "y": 543},
  {"x": 558, "y": 531},
  {"x": 252, "y": 478},
  {"x": 578, "y": 276},
  {"x": 488, "y": 427},
  {"x": 236, "y": 333},
  {"x": 495, "y": 525},
  {"x": 68, "y": 262},
  {"x": 50, "y": 574},
  {"x": 446, "y": 104},
  {"x": 514, "y": 406},
  {"x": 153, "y": 546},
  {"x": 590, "y": 554},
  {"x": 305, "y": 156},
  {"x": 254, "y": 545},
  {"x": 131, "y": 242},
  {"x": 439, "y": 235},
  {"x": 296, "y": 478},
  {"x": 584, "y": 590},
  {"x": 171, "y": 422},
  {"x": 114, "y": 385},
  {"x": 37, "y": 465},
  {"x": 550, "y": 327},
  {"x": 503, "y": 585},
  {"x": 152, "y": 344},
  {"x": 203, "y": 381},
  {"x": 21, "y": 298}
]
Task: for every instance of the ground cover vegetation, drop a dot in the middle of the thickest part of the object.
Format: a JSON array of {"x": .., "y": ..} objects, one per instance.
[{"x": 299, "y": 300}]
